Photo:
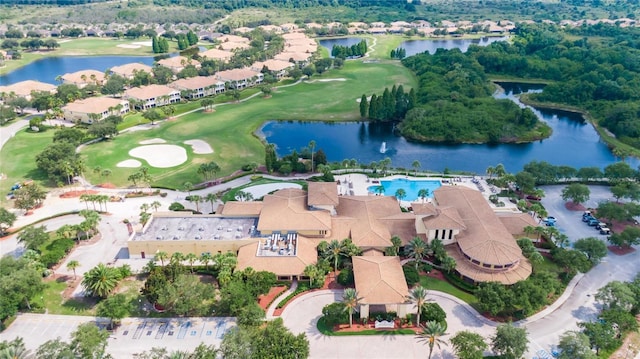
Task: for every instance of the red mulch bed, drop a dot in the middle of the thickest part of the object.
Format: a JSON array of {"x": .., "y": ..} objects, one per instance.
[
  {"x": 107, "y": 185},
  {"x": 329, "y": 283},
  {"x": 266, "y": 299},
  {"x": 357, "y": 327},
  {"x": 574, "y": 206},
  {"x": 621, "y": 250},
  {"x": 435, "y": 274},
  {"x": 74, "y": 194}
]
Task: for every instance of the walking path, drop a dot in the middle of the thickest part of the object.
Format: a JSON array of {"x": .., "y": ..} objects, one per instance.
[{"x": 286, "y": 293}]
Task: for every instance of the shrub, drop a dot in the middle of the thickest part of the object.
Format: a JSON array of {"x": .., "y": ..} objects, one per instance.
[
  {"x": 426, "y": 267},
  {"x": 411, "y": 275},
  {"x": 345, "y": 277},
  {"x": 175, "y": 206},
  {"x": 432, "y": 311},
  {"x": 334, "y": 313},
  {"x": 52, "y": 258}
]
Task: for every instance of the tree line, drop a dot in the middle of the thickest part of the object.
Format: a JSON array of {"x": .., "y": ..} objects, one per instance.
[
  {"x": 356, "y": 50},
  {"x": 455, "y": 104},
  {"x": 399, "y": 53},
  {"x": 392, "y": 105}
]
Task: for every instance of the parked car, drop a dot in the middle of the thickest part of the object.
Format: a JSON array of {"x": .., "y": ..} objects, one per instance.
[
  {"x": 601, "y": 225},
  {"x": 587, "y": 218},
  {"x": 533, "y": 198},
  {"x": 593, "y": 222},
  {"x": 605, "y": 230}
]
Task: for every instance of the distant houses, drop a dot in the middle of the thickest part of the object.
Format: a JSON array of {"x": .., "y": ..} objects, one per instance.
[
  {"x": 240, "y": 78},
  {"x": 25, "y": 89},
  {"x": 84, "y": 77},
  {"x": 151, "y": 96},
  {"x": 128, "y": 71},
  {"x": 178, "y": 63},
  {"x": 199, "y": 86}
]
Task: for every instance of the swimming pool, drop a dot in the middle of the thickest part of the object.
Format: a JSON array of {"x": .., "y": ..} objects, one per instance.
[{"x": 411, "y": 187}]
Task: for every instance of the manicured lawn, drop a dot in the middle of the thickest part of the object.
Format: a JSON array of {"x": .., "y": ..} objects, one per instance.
[
  {"x": 52, "y": 301},
  {"x": 547, "y": 265},
  {"x": 230, "y": 129},
  {"x": 435, "y": 284},
  {"x": 17, "y": 159}
]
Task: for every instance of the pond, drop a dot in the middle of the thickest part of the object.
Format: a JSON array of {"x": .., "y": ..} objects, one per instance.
[
  {"x": 47, "y": 69},
  {"x": 574, "y": 143},
  {"x": 342, "y": 41},
  {"x": 413, "y": 47}
]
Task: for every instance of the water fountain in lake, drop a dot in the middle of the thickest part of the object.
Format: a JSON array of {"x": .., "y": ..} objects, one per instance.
[{"x": 383, "y": 147}]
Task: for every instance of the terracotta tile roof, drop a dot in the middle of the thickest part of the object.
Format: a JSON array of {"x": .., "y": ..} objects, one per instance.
[
  {"x": 235, "y": 208},
  {"x": 234, "y": 45},
  {"x": 379, "y": 280},
  {"x": 194, "y": 83},
  {"x": 150, "y": 91},
  {"x": 294, "y": 35},
  {"x": 272, "y": 65},
  {"x": 424, "y": 208},
  {"x": 127, "y": 70},
  {"x": 485, "y": 239},
  {"x": 77, "y": 77},
  {"x": 301, "y": 48},
  {"x": 280, "y": 265},
  {"x": 515, "y": 274},
  {"x": 322, "y": 193},
  {"x": 24, "y": 88},
  {"x": 447, "y": 218},
  {"x": 515, "y": 223},
  {"x": 178, "y": 61},
  {"x": 236, "y": 74},
  {"x": 362, "y": 215},
  {"x": 93, "y": 105},
  {"x": 233, "y": 38},
  {"x": 216, "y": 54},
  {"x": 296, "y": 56},
  {"x": 286, "y": 210}
]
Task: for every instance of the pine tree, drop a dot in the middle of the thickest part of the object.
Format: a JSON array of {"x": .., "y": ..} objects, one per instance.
[
  {"x": 388, "y": 105},
  {"x": 163, "y": 45},
  {"x": 270, "y": 157},
  {"x": 373, "y": 107},
  {"x": 401, "y": 102},
  {"x": 154, "y": 45},
  {"x": 364, "y": 106},
  {"x": 411, "y": 103},
  {"x": 393, "y": 54},
  {"x": 192, "y": 38}
]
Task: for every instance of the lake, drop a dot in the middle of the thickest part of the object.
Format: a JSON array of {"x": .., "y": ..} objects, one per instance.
[
  {"x": 47, "y": 69},
  {"x": 342, "y": 41},
  {"x": 574, "y": 143},
  {"x": 413, "y": 47}
]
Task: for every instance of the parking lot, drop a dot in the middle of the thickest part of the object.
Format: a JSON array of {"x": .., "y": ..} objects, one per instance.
[
  {"x": 570, "y": 222},
  {"x": 134, "y": 335}
]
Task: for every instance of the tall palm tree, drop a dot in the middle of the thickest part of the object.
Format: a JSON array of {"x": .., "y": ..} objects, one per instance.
[
  {"x": 418, "y": 295},
  {"x": 72, "y": 265},
  {"x": 211, "y": 198},
  {"x": 423, "y": 193},
  {"x": 417, "y": 250},
  {"x": 416, "y": 166},
  {"x": 312, "y": 146},
  {"x": 176, "y": 257},
  {"x": 350, "y": 300},
  {"x": 197, "y": 199},
  {"x": 206, "y": 258},
  {"x": 161, "y": 256},
  {"x": 100, "y": 280},
  {"x": 431, "y": 334},
  {"x": 191, "y": 258},
  {"x": 529, "y": 230},
  {"x": 333, "y": 252},
  {"x": 401, "y": 194},
  {"x": 155, "y": 205}
]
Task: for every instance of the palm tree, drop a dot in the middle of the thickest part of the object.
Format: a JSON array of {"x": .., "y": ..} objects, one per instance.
[
  {"x": 529, "y": 230},
  {"x": 416, "y": 166},
  {"x": 100, "y": 280},
  {"x": 490, "y": 171},
  {"x": 161, "y": 256},
  {"x": 417, "y": 250},
  {"x": 211, "y": 198},
  {"x": 312, "y": 146},
  {"x": 191, "y": 258},
  {"x": 155, "y": 205},
  {"x": 177, "y": 257},
  {"x": 401, "y": 194},
  {"x": 187, "y": 187},
  {"x": 206, "y": 258},
  {"x": 333, "y": 252},
  {"x": 423, "y": 193},
  {"x": 379, "y": 189},
  {"x": 197, "y": 200},
  {"x": 350, "y": 300},
  {"x": 499, "y": 170},
  {"x": 72, "y": 265},
  {"x": 418, "y": 295},
  {"x": 431, "y": 334}
]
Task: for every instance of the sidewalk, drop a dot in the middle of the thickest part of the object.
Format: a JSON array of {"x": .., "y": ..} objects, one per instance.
[{"x": 286, "y": 293}]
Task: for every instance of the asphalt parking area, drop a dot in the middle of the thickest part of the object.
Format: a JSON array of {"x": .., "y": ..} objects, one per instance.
[{"x": 570, "y": 222}]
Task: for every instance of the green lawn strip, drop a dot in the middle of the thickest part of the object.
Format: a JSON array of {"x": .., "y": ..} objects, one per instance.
[
  {"x": 384, "y": 45},
  {"x": 302, "y": 287},
  {"x": 443, "y": 286},
  {"x": 546, "y": 265},
  {"x": 135, "y": 118},
  {"x": 51, "y": 300},
  {"x": 17, "y": 159},
  {"x": 229, "y": 130},
  {"x": 326, "y": 330}
]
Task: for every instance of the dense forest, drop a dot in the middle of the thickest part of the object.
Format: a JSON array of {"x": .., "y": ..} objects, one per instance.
[
  {"x": 600, "y": 75},
  {"x": 454, "y": 104}
]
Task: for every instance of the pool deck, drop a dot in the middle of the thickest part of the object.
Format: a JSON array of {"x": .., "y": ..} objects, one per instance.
[{"x": 357, "y": 184}]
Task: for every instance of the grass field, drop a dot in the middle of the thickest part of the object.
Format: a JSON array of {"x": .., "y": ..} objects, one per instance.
[
  {"x": 444, "y": 286},
  {"x": 230, "y": 129}
]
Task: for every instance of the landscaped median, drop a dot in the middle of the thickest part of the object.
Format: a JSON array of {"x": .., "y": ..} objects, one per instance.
[{"x": 359, "y": 329}]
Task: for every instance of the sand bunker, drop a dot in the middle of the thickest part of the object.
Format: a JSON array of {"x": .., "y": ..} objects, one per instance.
[
  {"x": 143, "y": 43},
  {"x": 199, "y": 147},
  {"x": 358, "y": 100},
  {"x": 152, "y": 141},
  {"x": 128, "y": 46},
  {"x": 129, "y": 164},
  {"x": 160, "y": 156}
]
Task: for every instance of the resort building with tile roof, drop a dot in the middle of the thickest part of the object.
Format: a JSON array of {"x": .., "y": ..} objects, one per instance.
[
  {"x": 178, "y": 63},
  {"x": 199, "y": 86},
  {"x": 84, "y": 78},
  {"x": 93, "y": 109},
  {"x": 128, "y": 71},
  {"x": 151, "y": 96},
  {"x": 24, "y": 89}
]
